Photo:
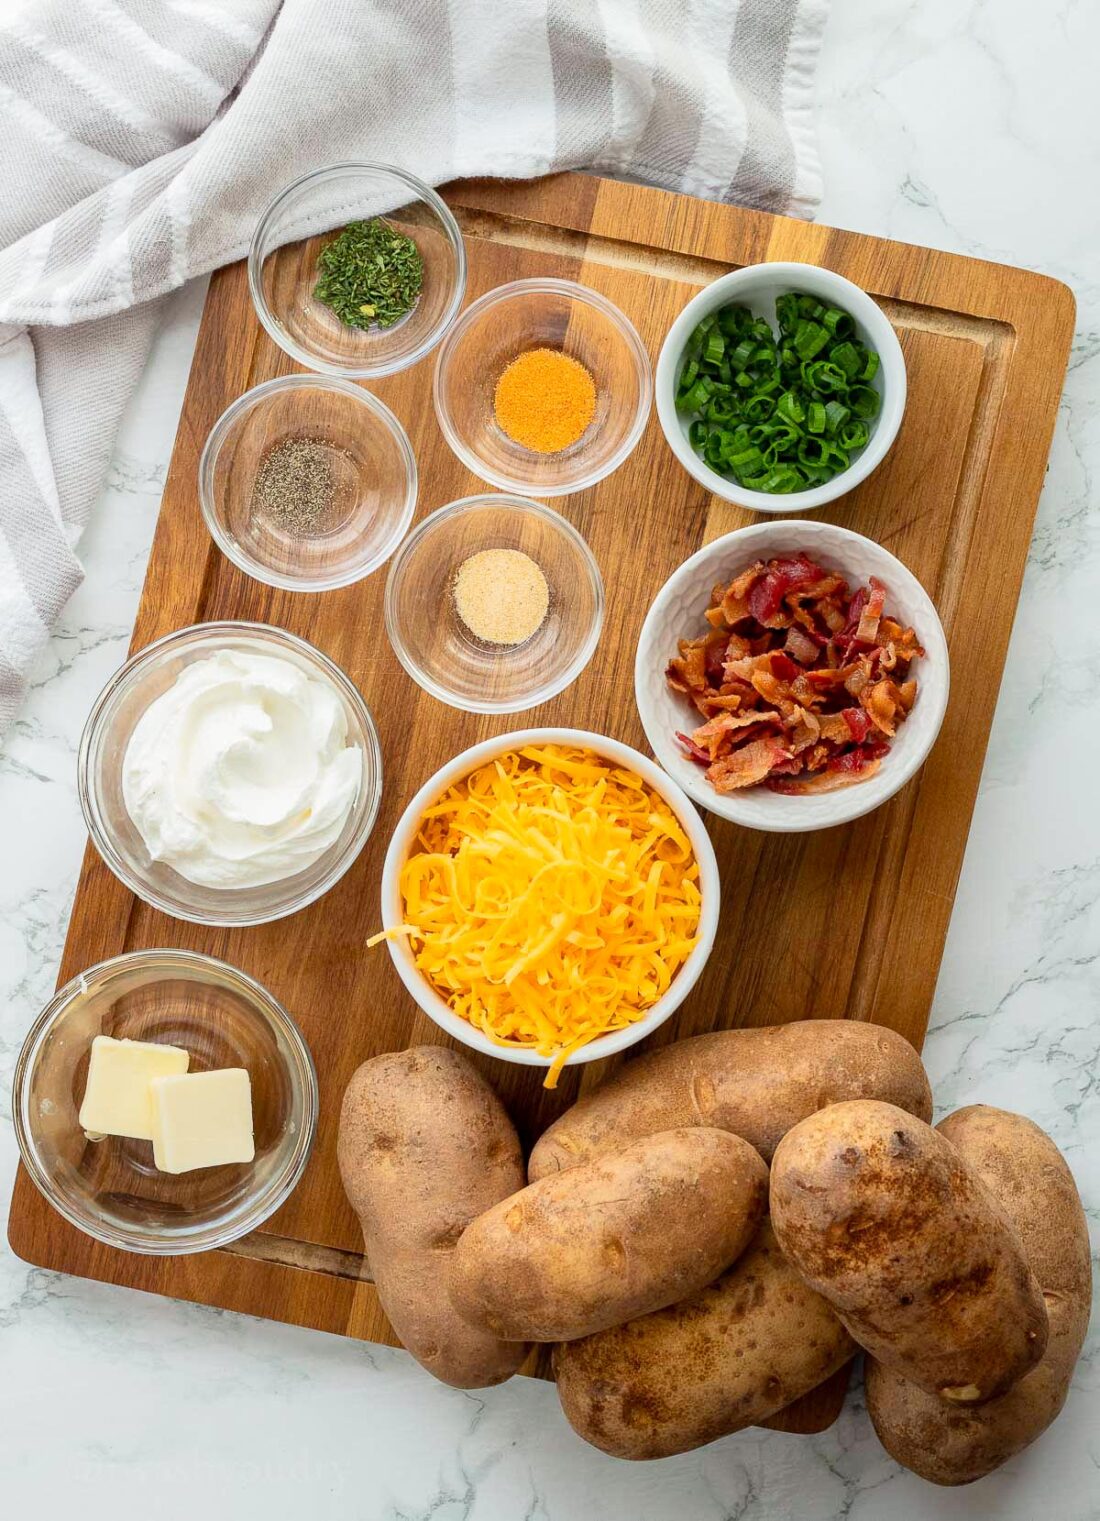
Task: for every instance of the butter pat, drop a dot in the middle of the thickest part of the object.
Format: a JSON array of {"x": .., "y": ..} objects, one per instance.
[
  {"x": 118, "y": 1097},
  {"x": 202, "y": 1119}
]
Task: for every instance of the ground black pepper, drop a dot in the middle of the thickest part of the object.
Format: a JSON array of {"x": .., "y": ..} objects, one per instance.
[{"x": 296, "y": 486}]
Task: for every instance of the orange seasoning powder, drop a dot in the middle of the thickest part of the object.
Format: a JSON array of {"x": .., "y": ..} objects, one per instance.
[{"x": 544, "y": 400}]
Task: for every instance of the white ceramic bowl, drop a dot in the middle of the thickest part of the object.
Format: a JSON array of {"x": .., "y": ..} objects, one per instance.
[
  {"x": 405, "y": 833},
  {"x": 757, "y": 286},
  {"x": 678, "y": 613}
]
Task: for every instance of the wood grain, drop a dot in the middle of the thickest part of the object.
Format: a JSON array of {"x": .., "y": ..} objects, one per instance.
[{"x": 848, "y": 922}]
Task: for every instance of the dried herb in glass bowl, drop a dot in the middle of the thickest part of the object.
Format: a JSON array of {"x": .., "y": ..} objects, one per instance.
[{"x": 370, "y": 275}]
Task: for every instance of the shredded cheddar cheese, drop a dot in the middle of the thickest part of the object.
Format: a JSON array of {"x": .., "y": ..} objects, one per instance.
[{"x": 551, "y": 898}]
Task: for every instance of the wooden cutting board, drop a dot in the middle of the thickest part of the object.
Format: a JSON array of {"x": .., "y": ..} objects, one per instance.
[{"x": 849, "y": 922}]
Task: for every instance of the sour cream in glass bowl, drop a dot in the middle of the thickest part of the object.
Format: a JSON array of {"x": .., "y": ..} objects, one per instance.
[{"x": 230, "y": 773}]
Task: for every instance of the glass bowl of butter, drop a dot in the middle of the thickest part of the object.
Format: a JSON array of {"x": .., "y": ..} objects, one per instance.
[
  {"x": 165, "y": 1103},
  {"x": 230, "y": 773}
]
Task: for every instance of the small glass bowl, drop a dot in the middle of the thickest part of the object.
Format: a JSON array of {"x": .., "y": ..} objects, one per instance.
[
  {"x": 282, "y": 288},
  {"x": 439, "y": 651},
  {"x": 533, "y": 314},
  {"x": 110, "y": 1189},
  {"x": 103, "y": 744},
  {"x": 373, "y": 471}
]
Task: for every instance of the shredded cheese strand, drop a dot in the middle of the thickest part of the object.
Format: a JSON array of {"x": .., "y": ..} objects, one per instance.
[{"x": 551, "y": 898}]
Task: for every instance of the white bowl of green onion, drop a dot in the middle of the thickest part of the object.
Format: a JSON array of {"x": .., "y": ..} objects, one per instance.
[{"x": 781, "y": 387}]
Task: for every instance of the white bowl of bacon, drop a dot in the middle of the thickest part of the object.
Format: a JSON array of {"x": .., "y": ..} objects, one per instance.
[{"x": 792, "y": 676}]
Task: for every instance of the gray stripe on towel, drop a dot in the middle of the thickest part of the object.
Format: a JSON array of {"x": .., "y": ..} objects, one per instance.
[
  {"x": 584, "y": 104},
  {"x": 671, "y": 133},
  {"x": 758, "y": 64}
]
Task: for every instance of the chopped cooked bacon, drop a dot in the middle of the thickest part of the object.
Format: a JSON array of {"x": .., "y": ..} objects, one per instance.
[
  {"x": 781, "y": 577},
  {"x": 800, "y": 646},
  {"x": 747, "y": 765},
  {"x": 693, "y": 750},
  {"x": 800, "y": 683},
  {"x": 858, "y": 723},
  {"x": 881, "y": 704},
  {"x": 718, "y": 702},
  {"x": 867, "y": 628},
  {"x": 739, "y": 586},
  {"x": 821, "y": 781},
  {"x": 803, "y": 730},
  {"x": 715, "y": 737},
  {"x": 714, "y": 656},
  {"x": 856, "y": 678}
]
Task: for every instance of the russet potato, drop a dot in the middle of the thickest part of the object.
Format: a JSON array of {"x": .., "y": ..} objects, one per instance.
[
  {"x": 623, "y": 1235},
  {"x": 1027, "y": 1175},
  {"x": 883, "y": 1216},
  {"x": 754, "y": 1083},
  {"x": 727, "y": 1357},
  {"x": 425, "y": 1146}
]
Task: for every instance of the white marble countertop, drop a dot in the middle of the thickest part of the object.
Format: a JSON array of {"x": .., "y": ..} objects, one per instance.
[{"x": 962, "y": 124}]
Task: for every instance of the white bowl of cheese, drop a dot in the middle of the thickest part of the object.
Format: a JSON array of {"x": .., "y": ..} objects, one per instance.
[{"x": 677, "y": 895}]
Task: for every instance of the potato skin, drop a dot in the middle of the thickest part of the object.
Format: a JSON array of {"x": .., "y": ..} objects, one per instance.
[
  {"x": 623, "y": 1235},
  {"x": 424, "y": 1146},
  {"x": 1027, "y": 1175},
  {"x": 726, "y": 1358},
  {"x": 755, "y": 1083},
  {"x": 881, "y": 1215}
]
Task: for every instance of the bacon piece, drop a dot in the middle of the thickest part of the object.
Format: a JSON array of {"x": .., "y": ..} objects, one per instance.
[
  {"x": 821, "y": 781},
  {"x": 858, "y": 723},
  {"x": 881, "y": 704},
  {"x": 783, "y": 666},
  {"x": 827, "y": 585},
  {"x": 800, "y": 646},
  {"x": 833, "y": 616},
  {"x": 835, "y": 730},
  {"x": 715, "y": 736},
  {"x": 781, "y": 577},
  {"x": 827, "y": 680},
  {"x": 859, "y": 758},
  {"x": 739, "y": 587},
  {"x": 714, "y": 657},
  {"x": 856, "y": 678},
  {"x": 689, "y": 672},
  {"x": 747, "y": 765},
  {"x": 867, "y": 628},
  {"x": 734, "y": 609},
  {"x": 847, "y": 631},
  {"x": 773, "y": 690},
  {"x": 717, "y": 702},
  {"x": 790, "y": 767},
  {"x": 745, "y": 667},
  {"x": 694, "y": 753},
  {"x": 803, "y": 730}
]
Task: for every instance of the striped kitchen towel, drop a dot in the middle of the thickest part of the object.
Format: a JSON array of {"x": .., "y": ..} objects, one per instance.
[{"x": 144, "y": 137}]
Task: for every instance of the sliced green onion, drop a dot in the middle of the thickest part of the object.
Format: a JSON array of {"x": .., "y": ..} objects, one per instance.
[
  {"x": 778, "y": 412},
  {"x": 864, "y": 401},
  {"x": 846, "y": 357},
  {"x": 714, "y": 347},
  {"x": 839, "y": 324},
  {"x": 809, "y": 339},
  {"x": 836, "y": 415}
]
